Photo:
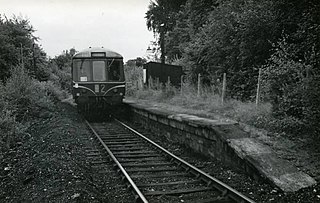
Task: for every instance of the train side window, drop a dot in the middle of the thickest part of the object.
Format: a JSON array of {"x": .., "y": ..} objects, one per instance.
[
  {"x": 82, "y": 67},
  {"x": 99, "y": 71}
]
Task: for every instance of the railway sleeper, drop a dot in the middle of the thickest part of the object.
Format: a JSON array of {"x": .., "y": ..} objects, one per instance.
[
  {"x": 150, "y": 169},
  {"x": 122, "y": 143},
  {"x": 137, "y": 156},
  {"x": 133, "y": 152},
  {"x": 148, "y": 164},
  {"x": 144, "y": 159},
  {"x": 160, "y": 175},
  {"x": 210, "y": 200},
  {"x": 127, "y": 149},
  {"x": 169, "y": 183},
  {"x": 177, "y": 192}
]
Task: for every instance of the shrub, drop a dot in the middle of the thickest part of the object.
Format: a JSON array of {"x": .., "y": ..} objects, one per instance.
[
  {"x": 60, "y": 77},
  {"x": 25, "y": 96},
  {"x": 293, "y": 87}
]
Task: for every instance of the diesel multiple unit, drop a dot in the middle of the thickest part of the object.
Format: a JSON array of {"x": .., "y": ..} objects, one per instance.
[{"x": 97, "y": 79}]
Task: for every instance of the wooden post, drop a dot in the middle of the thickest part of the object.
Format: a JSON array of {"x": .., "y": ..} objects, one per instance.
[
  {"x": 142, "y": 84},
  {"x": 224, "y": 84},
  {"x": 168, "y": 84},
  {"x": 258, "y": 88},
  {"x": 137, "y": 84},
  {"x": 181, "y": 84},
  {"x": 150, "y": 82},
  {"x": 199, "y": 84},
  {"x": 158, "y": 83}
]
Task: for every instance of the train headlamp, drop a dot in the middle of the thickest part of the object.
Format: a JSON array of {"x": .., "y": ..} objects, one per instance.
[{"x": 115, "y": 90}]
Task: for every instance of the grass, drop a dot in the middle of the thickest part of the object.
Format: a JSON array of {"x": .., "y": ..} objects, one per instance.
[{"x": 208, "y": 104}]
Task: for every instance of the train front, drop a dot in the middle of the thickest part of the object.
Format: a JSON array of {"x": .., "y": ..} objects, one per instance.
[{"x": 97, "y": 79}]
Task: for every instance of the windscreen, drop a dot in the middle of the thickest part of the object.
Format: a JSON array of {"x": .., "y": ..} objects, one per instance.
[
  {"x": 81, "y": 70},
  {"x": 114, "y": 69},
  {"x": 99, "y": 70}
]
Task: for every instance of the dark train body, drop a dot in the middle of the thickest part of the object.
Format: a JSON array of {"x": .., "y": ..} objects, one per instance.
[{"x": 98, "y": 81}]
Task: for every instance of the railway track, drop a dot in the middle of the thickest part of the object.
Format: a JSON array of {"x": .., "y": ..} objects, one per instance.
[{"x": 155, "y": 174}]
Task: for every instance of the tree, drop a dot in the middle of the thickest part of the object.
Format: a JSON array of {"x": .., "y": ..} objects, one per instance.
[
  {"x": 18, "y": 46},
  {"x": 235, "y": 39},
  {"x": 136, "y": 62},
  {"x": 160, "y": 18}
]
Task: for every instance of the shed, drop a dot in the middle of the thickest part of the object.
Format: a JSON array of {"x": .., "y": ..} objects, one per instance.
[{"x": 161, "y": 72}]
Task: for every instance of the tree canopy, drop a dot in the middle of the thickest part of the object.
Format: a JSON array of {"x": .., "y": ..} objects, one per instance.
[
  {"x": 18, "y": 46},
  {"x": 238, "y": 37}
]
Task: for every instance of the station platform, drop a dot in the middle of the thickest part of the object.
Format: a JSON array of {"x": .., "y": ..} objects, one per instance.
[{"x": 225, "y": 140}]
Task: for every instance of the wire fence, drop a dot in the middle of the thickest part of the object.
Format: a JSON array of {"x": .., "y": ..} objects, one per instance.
[{"x": 184, "y": 87}]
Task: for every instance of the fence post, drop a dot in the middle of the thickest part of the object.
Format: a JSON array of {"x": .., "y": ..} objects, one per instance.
[
  {"x": 137, "y": 84},
  {"x": 168, "y": 86},
  {"x": 150, "y": 82},
  {"x": 224, "y": 84},
  {"x": 199, "y": 84},
  {"x": 158, "y": 83},
  {"x": 142, "y": 84},
  {"x": 181, "y": 84},
  {"x": 258, "y": 88}
]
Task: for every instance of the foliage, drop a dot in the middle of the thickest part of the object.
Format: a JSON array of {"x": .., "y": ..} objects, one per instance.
[
  {"x": 134, "y": 77},
  {"x": 235, "y": 40},
  {"x": 64, "y": 59},
  {"x": 18, "y": 46},
  {"x": 22, "y": 99},
  {"x": 293, "y": 88},
  {"x": 161, "y": 18},
  {"x": 25, "y": 96},
  {"x": 136, "y": 62},
  {"x": 208, "y": 104},
  {"x": 60, "y": 77},
  {"x": 60, "y": 67},
  {"x": 239, "y": 37}
]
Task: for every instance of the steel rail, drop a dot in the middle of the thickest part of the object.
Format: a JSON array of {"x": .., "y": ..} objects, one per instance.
[
  {"x": 135, "y": 188},
  {"x": 232, "y": 193}
]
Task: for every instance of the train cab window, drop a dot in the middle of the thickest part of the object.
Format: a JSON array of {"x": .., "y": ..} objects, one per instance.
[
  {"x": 114, "y": 71},
  {"x": 99, "y": 71},
  {"x": 81, "y": 70}
]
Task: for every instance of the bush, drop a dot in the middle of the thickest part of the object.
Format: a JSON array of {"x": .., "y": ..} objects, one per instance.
[
  {"x": 61, "y": 77},
  {"x": 24, "y": 96},
  {"x": 9, "y": 127},
  {"x": 52, "y": 90},
  {"x": 293, "y": 87}
]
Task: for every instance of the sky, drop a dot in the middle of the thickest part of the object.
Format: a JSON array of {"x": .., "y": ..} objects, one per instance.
[{"x": 118, "y": 25}]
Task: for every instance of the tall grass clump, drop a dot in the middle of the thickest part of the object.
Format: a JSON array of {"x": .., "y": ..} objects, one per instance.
[{"x": 134, "y": 78}]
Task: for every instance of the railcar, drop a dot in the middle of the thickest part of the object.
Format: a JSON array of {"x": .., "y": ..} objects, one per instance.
[{"x": 98, "y": 81}]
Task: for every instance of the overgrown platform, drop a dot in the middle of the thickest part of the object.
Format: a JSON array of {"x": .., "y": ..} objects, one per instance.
[{"x": 225, "y": 141}]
